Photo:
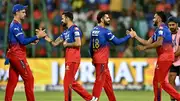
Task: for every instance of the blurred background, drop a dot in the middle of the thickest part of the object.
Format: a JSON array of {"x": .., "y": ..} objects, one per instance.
[{"x": 125, "y": 14}]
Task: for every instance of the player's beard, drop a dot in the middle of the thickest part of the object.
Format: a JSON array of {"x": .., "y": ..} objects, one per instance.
[
  {"x": 155, "y": 23},
  {"x": 65, "y": 27},
  {"x": 107, "y": 23},
  {"x": 64, "y": 24},
  {"x": 173, "y": 30}
]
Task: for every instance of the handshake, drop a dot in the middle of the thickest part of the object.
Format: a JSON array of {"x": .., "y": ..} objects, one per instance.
[
  {"x": 132, "y": 33},
  {"x": 40, "y": 34}
]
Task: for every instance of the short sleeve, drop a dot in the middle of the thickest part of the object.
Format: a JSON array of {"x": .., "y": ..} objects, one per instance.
[
  {"x": 77, "y": 32},
  {"x": 161, "y": 33},
  {"x": 109, "y": 36}
]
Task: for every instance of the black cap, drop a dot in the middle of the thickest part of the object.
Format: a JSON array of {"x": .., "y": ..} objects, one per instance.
[{"x": 172, "y": 19}]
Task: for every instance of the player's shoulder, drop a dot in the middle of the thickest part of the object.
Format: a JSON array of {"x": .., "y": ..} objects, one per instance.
[
  {"x": 104, "y": 29},
  {"x": 95, "y": 28},
  {"x": 178, "y": 32},
  {"x": 178, "y": 29},
  {"x": 65, "y": 31},
  {"x": 161, "y": 27},
  {"x": 13, "y": 24},
  {"x": 107, "y": 30},
  {"x": 15, "y": 27},
  {"x": 75, "y": 28}
]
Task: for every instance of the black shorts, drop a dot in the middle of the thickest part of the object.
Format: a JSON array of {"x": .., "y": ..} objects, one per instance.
[{"x": 175, "y": 69}]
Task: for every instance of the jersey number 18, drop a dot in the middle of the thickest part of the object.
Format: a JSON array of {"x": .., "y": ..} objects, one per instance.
[{"x": 95, "y": 43}]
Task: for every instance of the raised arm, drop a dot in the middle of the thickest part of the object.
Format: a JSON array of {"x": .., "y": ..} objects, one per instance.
[
  {"x": 118, "y": 41},
  {"x": 141, "y": 40}
]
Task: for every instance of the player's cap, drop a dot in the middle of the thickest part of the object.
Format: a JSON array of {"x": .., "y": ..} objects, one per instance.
[
  {"x": 172, "y": 19},
  {"x": 18, "y": 7}
]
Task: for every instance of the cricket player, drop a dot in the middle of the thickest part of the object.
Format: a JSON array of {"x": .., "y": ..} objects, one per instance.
[
  {"x": 71, "y": 39},
  {"x": 162, "y": 41},
  {"x": 175, "y": 67},
  {"x": 99, "y": 50},
  {"x": 16, "y": 54}
]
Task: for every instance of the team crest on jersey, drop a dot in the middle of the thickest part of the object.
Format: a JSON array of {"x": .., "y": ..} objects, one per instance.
[{"x": 160, "y": 32}]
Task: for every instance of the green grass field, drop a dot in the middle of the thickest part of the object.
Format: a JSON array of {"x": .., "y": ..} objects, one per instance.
[{"x": 120, "y": 95}]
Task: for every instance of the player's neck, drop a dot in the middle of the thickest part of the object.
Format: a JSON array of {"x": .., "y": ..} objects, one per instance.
[
  {"x": 17, "y": 19},
  {"x": 174, "y": 32},
  {"x": 101, "y": 24},
  {"x": 70, "y": 24},
  {"x": 159, "y": 24}
]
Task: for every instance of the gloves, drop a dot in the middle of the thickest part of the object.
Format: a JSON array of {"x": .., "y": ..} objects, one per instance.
[{"x": 6, "y": 61}]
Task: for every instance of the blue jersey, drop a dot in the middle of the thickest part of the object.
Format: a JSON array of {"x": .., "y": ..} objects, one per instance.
[
  {"x": 17, "y": 41},
  {"x": 99, "y": 44},
  {"x": 72, "y": 53},
  {"x": 165, "y": 52}
]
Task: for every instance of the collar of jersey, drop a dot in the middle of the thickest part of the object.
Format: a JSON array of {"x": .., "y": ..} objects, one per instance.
[
  {"x": 72, "y": 26},
  {"x": 15, "y": 21}
]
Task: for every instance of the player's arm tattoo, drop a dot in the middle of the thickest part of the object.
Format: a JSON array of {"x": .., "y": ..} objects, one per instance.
[
  {"x": 143, "y": 41},
  {"x": 56, "y": 42},
  {"x": 155, "y": 44},
  {"x": 77, "y": 43}
]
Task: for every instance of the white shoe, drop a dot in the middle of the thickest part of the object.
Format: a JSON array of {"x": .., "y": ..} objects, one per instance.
[{"x": 94, "y": 99}]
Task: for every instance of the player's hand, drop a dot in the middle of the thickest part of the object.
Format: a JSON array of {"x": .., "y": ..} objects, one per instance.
[
  {"x": 48, "y": 39},
  {"x": 140, "y": 47},
  {"x": 132, "y": 33},
  {"x": 40, "y": 33},
  {"x": 65, "y": 44},
  {"x": 35, "y": 42}
]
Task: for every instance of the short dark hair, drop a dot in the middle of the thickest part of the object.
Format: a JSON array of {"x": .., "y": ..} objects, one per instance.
[
  {"x": 101, "y": 15},
  {"x": 69, "y": 15},
  {"x": 162, "y": 15},
  {"x": 172, "y": 19}
]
